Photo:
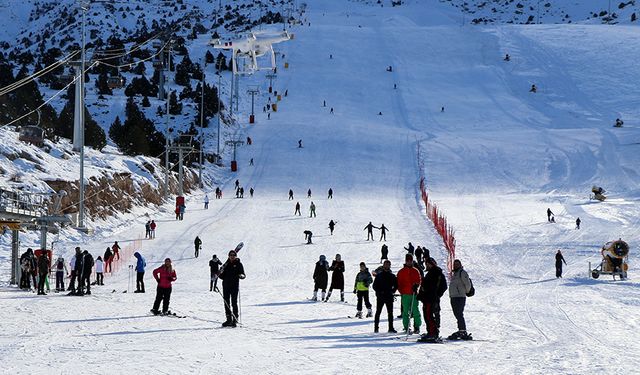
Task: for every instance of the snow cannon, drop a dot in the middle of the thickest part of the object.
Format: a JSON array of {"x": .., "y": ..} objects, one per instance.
[
  {"x": 615, "y": 260},
  {"x": 598, "y": 193}
]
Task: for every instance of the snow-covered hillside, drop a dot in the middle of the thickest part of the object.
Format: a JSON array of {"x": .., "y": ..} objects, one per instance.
[{"x": 495, "y": 157}]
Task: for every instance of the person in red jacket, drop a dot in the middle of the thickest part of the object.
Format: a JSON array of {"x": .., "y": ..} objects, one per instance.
[
  {"x": 164, "y": 275},
  {"x": 116, "y": 250},
  {"x": 408, "y": 283}
]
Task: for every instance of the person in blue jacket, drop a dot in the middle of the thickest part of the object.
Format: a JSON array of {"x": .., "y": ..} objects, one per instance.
[{"x": 140, "y": 266}]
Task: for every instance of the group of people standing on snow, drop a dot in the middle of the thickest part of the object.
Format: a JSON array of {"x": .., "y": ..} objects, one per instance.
[{"x": 412, "y": 284}]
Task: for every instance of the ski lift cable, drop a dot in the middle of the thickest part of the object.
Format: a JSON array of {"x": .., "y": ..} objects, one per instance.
[
  {"x": 138, "y": 61},
  {"x": 25, "y": 80},
  {"x": 64, "y": 89}
]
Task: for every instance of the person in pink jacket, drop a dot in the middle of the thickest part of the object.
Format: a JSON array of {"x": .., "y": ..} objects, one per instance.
[{"x": 164, "y": 275}]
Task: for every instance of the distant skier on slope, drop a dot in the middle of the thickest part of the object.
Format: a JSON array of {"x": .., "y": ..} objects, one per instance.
[
  {"x": 164, "y": 275},
  {"x": 307, "y": 236},
  {"x": 312, "y": 210},
  {"x": 549, "y": 214},
  {"x": 578, "y": 221},
  {"x": 369, "y": 228},
  {"x": 197, "y": 243},
  {"x": 297, "y": 211},
  {"x": 290, "y": 194},
  {"x": 418, "y": 253},
  {"x": 320, "y": 277},
  {"x": 384, "y": 253},
  {"x": 337, "y": 278},
  {"x": 309, "y": 193},
  {"x": 383, "y": 232},
  {"x": 330, "y": 194},
  {"x": 332, "y": 225},
  {"x": 214, "y": 267},
  {"x": 361, "y": 289},
  {"x": 410, "y": 249},
  {"x": 559, "y": 261}
]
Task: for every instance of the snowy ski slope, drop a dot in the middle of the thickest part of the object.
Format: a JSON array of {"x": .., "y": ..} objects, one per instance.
[{"x": 495, "y": 159}]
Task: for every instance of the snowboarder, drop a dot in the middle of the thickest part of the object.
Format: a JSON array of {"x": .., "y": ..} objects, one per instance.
[
  {"x": 578, "y": 221},
  {"x": 459, "y": 286},
  {"x": 385, "y": 286},
  {"x": 337, "y": 278},
  {"x": 533, "y": 89},
  {"x": 231, "y": 274},
  {"x": 43, "y": 271},
  {"x": 290, "y": 194},
  {"x": 369, "y": 228},
  {"x": 251, "y": 192},
  {"x": 214, "y": 267},
  {"x": 549, "y": 214},
  {"x": 116, "y": 250},
  {"x": 197, "y": 243},
  {"x": 559, "y": 261},
  {"x": 383, "y": 232},
  {"x": 61, "y": 272},
  {"x": 99, "y": 271},
  {"x": 297, "y": 211},
  {"x": 408, "y": 283},
  {"x": 361, "y": 289},
  {"x": 300, "y": 143},
  {"x": 108, "y": 259},
  {"x": 320, "y": 277},
  {"x": 164, "y": 275},
  {"x": 153, "y": 229},
  {"x": 312, "y": 210},
  {"x": 206, "y": 200},
  {"x": 332, "y": 225},
  {"x": 384, "y": 253},
  {"x": 433, "y": 286},
  {"x": 85, "y": 278},
  {"x": 309, "y": 193},
  {"x": 147, "y": 229},
  {"x": 141, "y": 264},
  {"x": 330, "y": 194},
  {"x": 410, "y": 248},
  {"x": 307, "y": 236}
]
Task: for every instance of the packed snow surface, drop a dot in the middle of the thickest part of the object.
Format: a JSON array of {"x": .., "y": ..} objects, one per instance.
[{"x": 495, "y": 159}]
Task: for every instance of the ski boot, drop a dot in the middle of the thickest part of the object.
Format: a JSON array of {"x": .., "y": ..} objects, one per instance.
[
  {"x": 460, "y": 335},
  {"x": 391, "y": 330},
  {"x": 315, "y": 297},
  {"x": 155, "y": 312},
  {"x": 416, "y": 330},
  {"x": 369, "y": 313},
  {"x": 324, "y": 297},
  {"x": 359, "y": 315},
  {"x": 341, "y": 296},
  {"x": 375, "y": 329}
]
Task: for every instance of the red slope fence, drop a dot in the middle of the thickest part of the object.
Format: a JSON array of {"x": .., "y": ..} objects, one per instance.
[
  {"x": 438, "y": 219},
  {"x": 126, "y": 252}
]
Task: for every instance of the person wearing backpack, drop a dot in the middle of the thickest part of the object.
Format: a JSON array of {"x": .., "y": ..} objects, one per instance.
[
  {"x": 459, "y": 288},
  {"x": 433, "y": 286},
  {"x": 61, "y": 270}
]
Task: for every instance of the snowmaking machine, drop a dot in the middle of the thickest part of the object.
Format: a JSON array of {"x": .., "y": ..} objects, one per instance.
[
  {"x": 598, "y": 193},
  {"x": 615, "y": 260}
]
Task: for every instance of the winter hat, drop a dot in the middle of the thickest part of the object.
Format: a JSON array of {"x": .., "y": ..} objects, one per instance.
[
  {"x": 214, "y": 256},
  {"x": 363, "y": 264},
  {"x": 323, "y": 258}
]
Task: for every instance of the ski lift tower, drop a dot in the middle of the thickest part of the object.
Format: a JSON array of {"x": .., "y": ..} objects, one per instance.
[{"x": 234, "y": 163}]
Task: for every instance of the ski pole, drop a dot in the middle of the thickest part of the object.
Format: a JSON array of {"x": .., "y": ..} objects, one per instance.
[
  {"x": 229, "y": 307},
  {"x": 239, "y": 305},
  {"x": 413, "y": 296}
]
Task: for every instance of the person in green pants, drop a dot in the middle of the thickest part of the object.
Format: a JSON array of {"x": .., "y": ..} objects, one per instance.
[{"x": 408, "y": 284}]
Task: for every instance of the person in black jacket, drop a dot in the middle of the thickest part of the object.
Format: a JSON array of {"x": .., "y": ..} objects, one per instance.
[
  {"x": 332, "y": 225},
  {"x": 433, "y": 286},
  {"x": 85, "y": 276},
  {"x": 385, "y": 285},
  {"x": 559, "y": 261},
  {"x": 214, "y": 266},
  {"x": 231, "y": 274},
  {"x": 197, "y": 243},
  {"x": 320, "y": 277},
  {"x": 43, "y": 271},
  {"x": 76, "y": 273},
  {"x": 384, "y": 253},
  {"x": 337, "y": 278},
  {"x": 418, "y": 253}
]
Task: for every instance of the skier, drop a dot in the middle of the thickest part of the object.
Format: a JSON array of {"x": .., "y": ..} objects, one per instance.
[
  {"x": 442, "y": 109},
  {"x": 418, "y": 254},
  {"x": 251, "y": 192},
  {"x": 147, "y": 229},
  {"x": 507, "y": 57},
  {"x": 116, "y": 250},
  {"x": 330, "y": 195},
  {"x": 383, "y": 232},
  {"x": 141, "y": 264},
  {"x": 85, "y": 279},
  {"x": 384, "y": 253},
  {"x": 331, "y": 111},
  {"x": 153, "y": 229},
  {"x": 332, "y": 225},
  {"x": 177, "y": 212},
  {"x": 379, "y": 113},
  {"x": 214, "y": 267},
  {"x": 241, "y": 192},
  {"x": 324, "y": 103},
  {"x": 300, "y": 143},
  {"x": 559, "y": 261},
  {"x": 108, "y": 258},
  {"x": 578, "y": 221},
  {"x": 286, "y": 93},
  {"x": 164, "y": 275},
  {"x": 290, "y": 194},
  {"x": 182, "y": 209},
  {"x": 459, "y": 286},
  {"x": 43, "y": 271},
  {"x": 385, "y": 286},
  {"x": 312, "y": 210},
  {"x": 309, "y": 193},
  {"x": 231, "y": 274},
  {"x": 218, "y": 193},
  {"x": 269, "y": 116},
  {"x": 206, "y": 200},
  {"x": 410, "y": 248},
  {"x": 369, "y": 228},
  {"x": 619, "y": 123},
  {"x": 320, "y": 277},
  {"x": 361, "y": 289},
  {"x": 307, "y": 236},
  {"x": 337, "y": 278},
  {"x": 249, "y": 141},
  {"x": 99, "y": 271},
  {"x": 251, "y": 161},
  {"x": 395, "y": 86},
  {"x": 197, "y": 243},
  {"x": 433, "y": 286},
  {"x": 237, "y": 183},
  {"x": 408, "y": 283},
  {"x": 549, "y": 214},
  {"x": 61, "y": 270},
  {"x": 297, "y": 211}
]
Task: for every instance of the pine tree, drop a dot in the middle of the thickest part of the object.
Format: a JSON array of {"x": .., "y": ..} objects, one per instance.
[
  {"x": 145, "y": 102},
  {"x": 138, "y": 134},
  {"x": 102, "y": 85},
  {"x": 208, "y": 57},
  {"x": 175, "y": 108},
  {"x": 139, "y": 69}
]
